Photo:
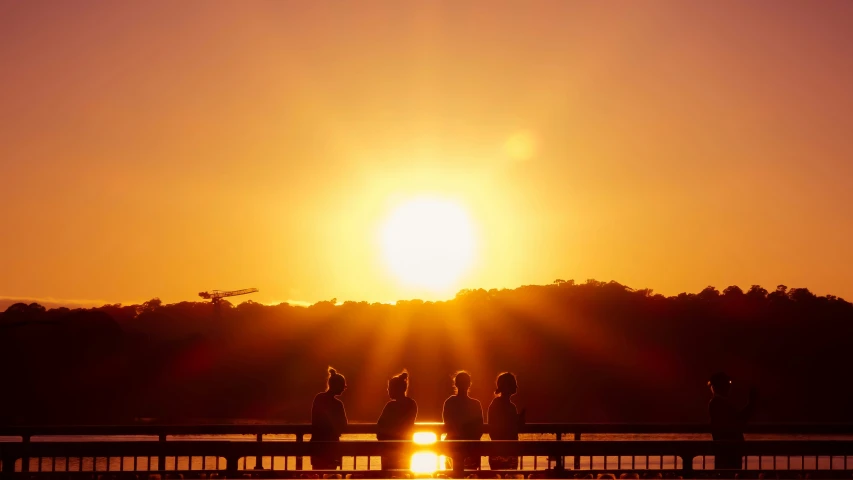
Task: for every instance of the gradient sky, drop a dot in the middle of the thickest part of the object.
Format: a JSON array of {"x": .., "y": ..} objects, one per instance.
[{"x": 162, "y": 148}]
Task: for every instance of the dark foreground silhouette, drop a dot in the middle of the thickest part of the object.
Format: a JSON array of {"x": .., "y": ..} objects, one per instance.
[
  {"x": 463, "y": 415},
  {"x": 397, "y": 421},
  {"x": 328, "y": 419},
  {"x": 504, "y": 419},
  {"x": 727, "y": 420},
  {"x": 610, "y": 354}
]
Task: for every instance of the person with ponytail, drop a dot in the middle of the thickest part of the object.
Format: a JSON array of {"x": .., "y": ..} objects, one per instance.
[
  {"x": 463, "y": 416},
  {"x": 328, "y": 420},
  {"x": 397, "y": 421},
  {"x": 504, "y": 419}
]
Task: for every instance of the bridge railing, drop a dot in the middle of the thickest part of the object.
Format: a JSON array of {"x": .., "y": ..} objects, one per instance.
[{"x": 179, "y": 448}]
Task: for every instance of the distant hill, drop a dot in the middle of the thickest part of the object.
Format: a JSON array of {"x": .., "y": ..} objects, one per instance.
[{"x": 589, "y": 352}]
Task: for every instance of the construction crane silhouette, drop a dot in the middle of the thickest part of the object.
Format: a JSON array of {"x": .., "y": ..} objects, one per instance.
[{"x": 216, "y": 296}]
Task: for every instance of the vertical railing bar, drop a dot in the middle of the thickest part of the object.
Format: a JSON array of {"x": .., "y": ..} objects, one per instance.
[{"x": 299, "y": 439}]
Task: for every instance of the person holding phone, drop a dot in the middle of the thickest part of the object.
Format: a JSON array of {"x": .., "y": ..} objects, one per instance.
[{"x": 727, "y": 420}]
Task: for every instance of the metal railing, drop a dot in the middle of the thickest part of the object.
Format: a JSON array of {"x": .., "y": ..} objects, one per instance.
[{"x": 48, "y": 450}]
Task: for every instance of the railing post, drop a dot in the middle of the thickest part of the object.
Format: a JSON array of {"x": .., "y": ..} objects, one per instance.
[
  {"x": 560, "y": 464},
  {"x": 259, "y": 460},
  {"x": 161, "y": 459},
  {"x": 25, "y": 459},
  {"x": 458, "y": 466},
  {"x": 687, "y": 463},
  {"x": 8, "y": 466},
  {"x": 577, "y": 462},
  {"x": 231, "y": 462},
  {"x": 299, "y": 439}
]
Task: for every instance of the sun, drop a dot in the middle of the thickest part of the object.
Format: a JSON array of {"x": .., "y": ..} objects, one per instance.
[{"x": 428, "y": 242}]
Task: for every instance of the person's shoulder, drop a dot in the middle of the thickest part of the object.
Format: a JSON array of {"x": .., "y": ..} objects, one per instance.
[
  {"x": 411, "y": 402},
  {"x": 319, "y": 397}
]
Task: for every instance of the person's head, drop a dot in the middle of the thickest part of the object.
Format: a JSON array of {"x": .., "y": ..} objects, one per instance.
[
  {"x": 720, "y": 384},
  {"x": 506, "y": 385},
  {"x": 336, "y": 383},
  {"x": 461, "y": 382},
  {"x": 398, "y": 385}
]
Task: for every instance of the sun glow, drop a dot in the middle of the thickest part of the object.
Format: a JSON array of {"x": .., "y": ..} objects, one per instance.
[
  {"x": 428, "y": 242},
  {"x": 426, "y": 463}
]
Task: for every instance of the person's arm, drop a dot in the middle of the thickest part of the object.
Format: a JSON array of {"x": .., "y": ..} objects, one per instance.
[
  {"x": 412, "y": 414},
  {"x": 339, "y": 418},
  {"x": 449, "y": 419},
  {"x": 480, "y": 427},
  {"x": 381, "y": 424},
  {"x": 745, "y": 414}
]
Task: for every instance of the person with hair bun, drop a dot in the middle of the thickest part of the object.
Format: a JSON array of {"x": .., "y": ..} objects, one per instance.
[
  {"x": 463, "y": 415},
  {"x": 328, "y": 420},
  {"x": 504, "y": 419},
  {"x": 397, "y": 421}
]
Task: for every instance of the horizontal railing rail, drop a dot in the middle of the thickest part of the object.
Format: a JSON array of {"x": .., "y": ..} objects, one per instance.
[
  {"x": 279, "y": 447},
  {"x": 366, "y": 428},
  {"x": 16, "y": 456},
  {"x": 450, "y": 448}
]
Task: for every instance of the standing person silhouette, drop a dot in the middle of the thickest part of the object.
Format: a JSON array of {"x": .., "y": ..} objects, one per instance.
[
  {"x": 504, "y": 419},
  {"x": 397, "y": 421},
  {"x": 328, "y": 420},
  {"x": 727, "y": 421},
  {"x": 463, "y": 415}
]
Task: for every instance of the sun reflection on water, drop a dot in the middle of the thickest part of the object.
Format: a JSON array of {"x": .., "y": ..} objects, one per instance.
[{"x": 426, "y": 462}]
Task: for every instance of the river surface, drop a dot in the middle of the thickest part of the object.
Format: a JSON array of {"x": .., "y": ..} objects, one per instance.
[{"x": 361, "y": 463}]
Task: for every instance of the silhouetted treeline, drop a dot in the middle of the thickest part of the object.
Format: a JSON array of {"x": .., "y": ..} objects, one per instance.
[{"x": 588, "y": 352}]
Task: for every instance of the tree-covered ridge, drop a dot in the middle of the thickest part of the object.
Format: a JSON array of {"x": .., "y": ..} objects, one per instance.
[{"x": 592, "y": 351}]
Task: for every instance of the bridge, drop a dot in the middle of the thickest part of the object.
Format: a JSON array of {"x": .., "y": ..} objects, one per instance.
[{"x": 545, "y": 451}]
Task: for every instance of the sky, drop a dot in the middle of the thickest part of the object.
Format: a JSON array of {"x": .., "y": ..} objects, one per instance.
[{"x": 160, "y": 148}]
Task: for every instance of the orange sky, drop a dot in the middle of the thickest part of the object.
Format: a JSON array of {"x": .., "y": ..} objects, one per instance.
[{"x": 161, "y": 148}]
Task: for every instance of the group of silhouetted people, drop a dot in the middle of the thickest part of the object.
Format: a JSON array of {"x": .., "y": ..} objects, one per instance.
[
  {"x": 462, "y": 415},
  {"x": 463, "y": 418}
]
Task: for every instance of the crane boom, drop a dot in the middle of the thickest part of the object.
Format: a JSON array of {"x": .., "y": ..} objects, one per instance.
[{"x": 216, "y": 295}]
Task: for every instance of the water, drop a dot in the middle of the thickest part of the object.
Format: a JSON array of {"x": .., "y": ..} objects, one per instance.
[{"x": 374, "y": 463}]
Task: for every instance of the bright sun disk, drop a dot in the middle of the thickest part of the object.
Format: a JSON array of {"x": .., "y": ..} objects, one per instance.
[{"x": 428, "y": 242}]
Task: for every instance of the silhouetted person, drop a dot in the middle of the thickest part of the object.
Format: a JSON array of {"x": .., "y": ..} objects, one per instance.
[
  {"x": 397, "y": 421},
  {"x": 463, "y": 415},
  {"x": 727, "y": 421},
  {"x": 328, "y": 420},
  {"x": 504, "y": 419}
]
